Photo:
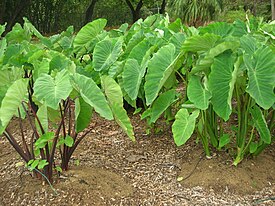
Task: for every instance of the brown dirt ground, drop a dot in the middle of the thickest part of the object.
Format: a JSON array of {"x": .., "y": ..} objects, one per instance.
[{"x": 113, "y": 170}]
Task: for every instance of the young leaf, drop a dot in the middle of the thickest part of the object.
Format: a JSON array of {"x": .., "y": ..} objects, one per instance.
[
  {"x": 69, "y": 141},
  {"x": 44, "y": 139},
  {"x": 34, "y": 164},
  {"x": 42, "y": 164},
  {"x": 53, "y": 90},
  {"x": 260, "y": 124},
  {"x": 224, "y": 140},
  {"x": 58, "y": 169},
  {"x": 184, "y": 125}
]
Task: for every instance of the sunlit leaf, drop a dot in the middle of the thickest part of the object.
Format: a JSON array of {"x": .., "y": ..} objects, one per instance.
[{"x": 184, "y": 126}]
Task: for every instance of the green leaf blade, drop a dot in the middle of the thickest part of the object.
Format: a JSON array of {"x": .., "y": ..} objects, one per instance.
[
  {"x": 184, "y": 126},
  {"x": 106, "y": 52},
  {"x": 198, "y": 94},
  {"x": 132, "y": 77},
  {"x": 15, "y": 95},
  {"x": 92, "y": 95},
  {"x": 260, "y": 124},
  {"x": 115, "y": 99},
  {"x": 51, "y": 91},
  {"x": 160, "y": 67},
  {"x": 161, "y": 104},
  {"x": 261, "y": 74},
  {"x": 221, "y": 84},
  {"x": 86, "y": 35}
]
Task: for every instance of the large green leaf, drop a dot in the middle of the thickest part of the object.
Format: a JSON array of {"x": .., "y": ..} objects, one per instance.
[
  {"x": 51, "y": 90},
  {"x": 222, "y": 29},
  {"x": 139, "y": 51},
  {"x": 132, "y": 77},
  {"x": 106, "y": 52},
  {"x": 184, "y": 126},
  {"x": 198, "y": 93},
  {"x": 135, "y": 39},
  {"x": 261, "y": 76},
  {"x": 10, "y": 74},
  {"x": 92, "y": 95},
  {"x": 200, "y": 43},
  {"x": 161, "y": 104},
  {"x": 14, "y": 96},
  {"x": 177, "y": 39},
  {"x": 205, "y": 63},
  {"x": 87, "y": 34},
  {"x": 112, "y": 90},
  {"x": 115, "y": 98},
  {"x": 59, "y": 62},
  {"x": 248, "y": 44},
  {"x": 160, "y": 67},
  {"x": 239, "y": 28},
  {"x": 221, "y": 84},
  {"x": 83, "y": 114},
  {"x": 260, "y": 124}
]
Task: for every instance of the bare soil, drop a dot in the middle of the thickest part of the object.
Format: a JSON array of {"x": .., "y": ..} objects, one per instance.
[{"x": 109, "y": 169}]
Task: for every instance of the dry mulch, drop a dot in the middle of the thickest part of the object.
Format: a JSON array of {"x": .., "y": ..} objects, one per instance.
[{"x": 109, "y": 169}]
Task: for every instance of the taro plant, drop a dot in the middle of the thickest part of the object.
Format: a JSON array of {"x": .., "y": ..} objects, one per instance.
[
  {"x": 136, "y": 59},
  {"x": 232, "y": 77},
  {"x": 65, "y": 102}
]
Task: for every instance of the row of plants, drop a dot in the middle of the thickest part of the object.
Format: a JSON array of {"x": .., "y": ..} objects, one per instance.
[{"x": 216, "y": 81}]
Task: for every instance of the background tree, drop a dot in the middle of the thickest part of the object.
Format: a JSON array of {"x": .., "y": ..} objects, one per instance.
[
  {"x": 12, "y": 12},
  {"x": 162, "y": 7},
  {"x": 90, "y": 11},
  {"x": 272, "y": 10},
  {"x": 135, "y": 10},
  {"x": 196, "y": 12}
]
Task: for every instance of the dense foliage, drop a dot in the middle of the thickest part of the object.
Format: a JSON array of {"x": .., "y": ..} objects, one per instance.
[{"x": 216, "y": 81}]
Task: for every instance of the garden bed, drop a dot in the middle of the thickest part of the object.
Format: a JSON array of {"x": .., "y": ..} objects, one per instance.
[{"x": 109, "y": 169}]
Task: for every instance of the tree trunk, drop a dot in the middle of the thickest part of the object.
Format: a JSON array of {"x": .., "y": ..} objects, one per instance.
[
  {"x": 272, "y": 10},
  {"x": 135, "y": 11},
  {"x": 17, "y": 14},
  {"x": 90, "y": 11},
  {"x": 254, "y": 10},
  {"x": 2, "y": 11},
  {"x": 162, "y": 8}
]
